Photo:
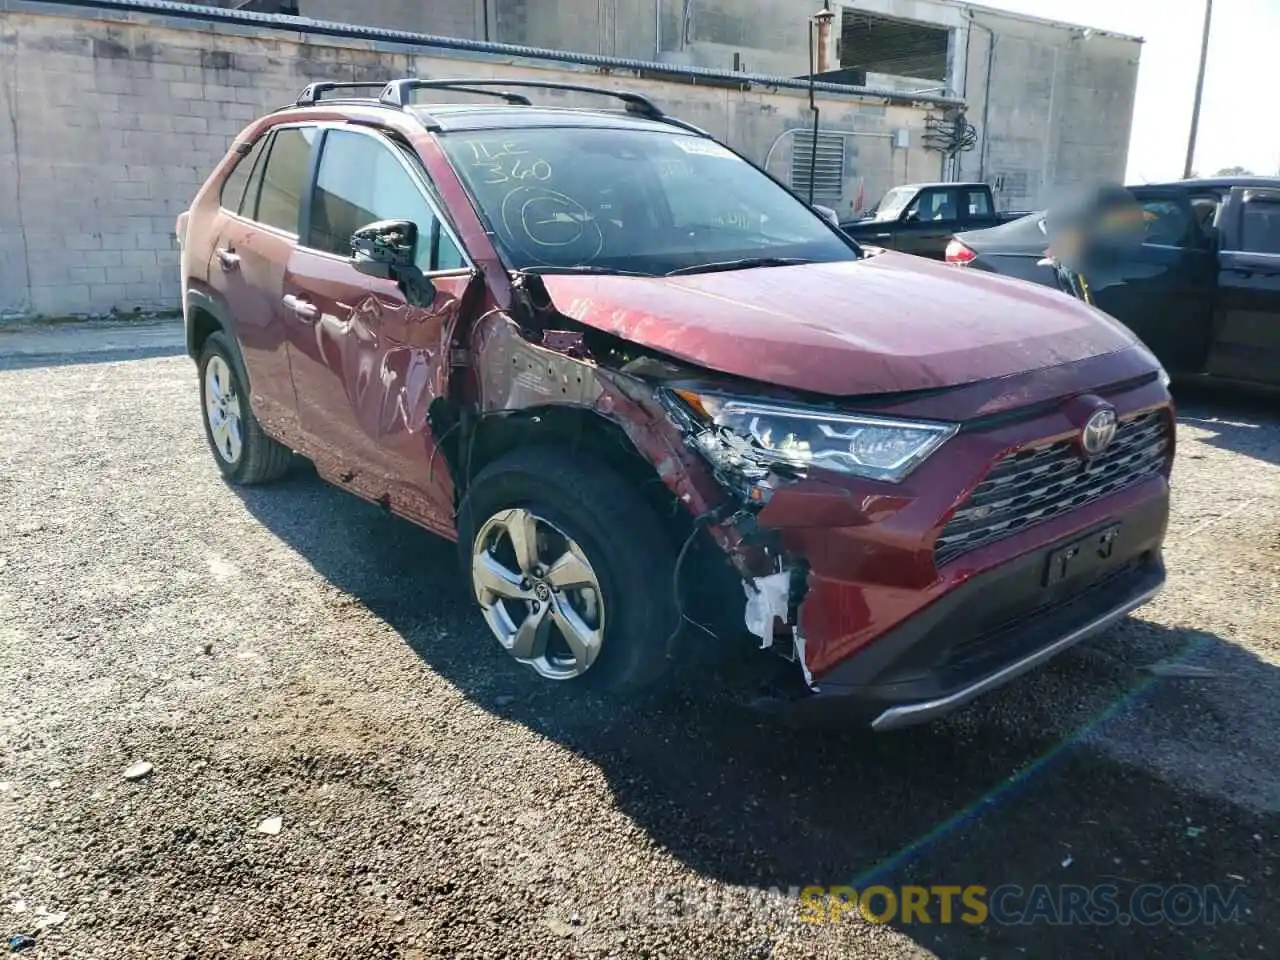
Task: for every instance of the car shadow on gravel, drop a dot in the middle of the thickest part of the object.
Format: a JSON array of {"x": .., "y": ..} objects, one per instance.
[
  {"x": 984, "y": 799},
  {"x": 1248, "y": 425}
]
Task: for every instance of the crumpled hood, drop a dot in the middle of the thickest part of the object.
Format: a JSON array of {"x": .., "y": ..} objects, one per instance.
[{"x": 883, "y": 324}]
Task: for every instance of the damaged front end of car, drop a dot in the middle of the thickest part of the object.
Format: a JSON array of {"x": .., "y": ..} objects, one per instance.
[{"x": 723, "y": 448}]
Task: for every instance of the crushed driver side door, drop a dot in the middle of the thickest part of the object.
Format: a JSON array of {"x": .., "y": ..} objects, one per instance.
[{"x": 367, "y": 363}]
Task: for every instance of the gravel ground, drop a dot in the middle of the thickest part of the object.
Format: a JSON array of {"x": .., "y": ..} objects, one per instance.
[{"x": 292, "y": 652}]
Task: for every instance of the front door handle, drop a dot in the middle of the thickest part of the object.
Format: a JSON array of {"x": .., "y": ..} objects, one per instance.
[
  {"x": 228, "y": 259},
  {"x": 304, "y": 309}
]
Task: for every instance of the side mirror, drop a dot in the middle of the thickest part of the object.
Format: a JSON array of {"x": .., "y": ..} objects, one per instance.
[
  {"x": 387, "y": 250},
  {"x": 826, "y": 213}
]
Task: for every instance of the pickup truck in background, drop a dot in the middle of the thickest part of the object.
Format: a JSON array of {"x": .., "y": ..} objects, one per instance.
[
  {"x": 921, "y": 218},
  {"x": 1203, "y": 290}
]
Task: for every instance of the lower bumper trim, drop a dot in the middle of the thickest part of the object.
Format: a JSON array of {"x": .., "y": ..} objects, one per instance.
[{"x": 913, "y": 713}]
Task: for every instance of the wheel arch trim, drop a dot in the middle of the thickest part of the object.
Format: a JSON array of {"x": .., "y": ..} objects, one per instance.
[{"x": 201, "y": 300}]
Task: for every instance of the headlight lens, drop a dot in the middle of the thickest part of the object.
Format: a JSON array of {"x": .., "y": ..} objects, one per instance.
[{"x": 751, "y": 436}]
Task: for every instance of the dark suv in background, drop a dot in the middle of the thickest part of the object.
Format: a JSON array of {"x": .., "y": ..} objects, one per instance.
[
  {"x": 1202, "y": 291},
  {"x": 653, "y": 395}
]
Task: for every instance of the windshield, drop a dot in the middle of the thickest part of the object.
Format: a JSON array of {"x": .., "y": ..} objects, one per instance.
[
  {"x": 632, "y": 201},
  {"x": 893, "y": 202}
]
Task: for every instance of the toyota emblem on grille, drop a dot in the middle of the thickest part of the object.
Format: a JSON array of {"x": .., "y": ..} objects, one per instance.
[{"x": 1099, "y": 430}]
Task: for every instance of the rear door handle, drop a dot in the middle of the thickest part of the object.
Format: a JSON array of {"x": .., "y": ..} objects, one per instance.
[
  {"x": 302, "y": 308},
  {"x": 228, "y": 259}
]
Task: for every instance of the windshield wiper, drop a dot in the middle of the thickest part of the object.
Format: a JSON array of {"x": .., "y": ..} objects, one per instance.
[
  {"x": 746, "y": 263},
  {"x": 587, "y": 268}
]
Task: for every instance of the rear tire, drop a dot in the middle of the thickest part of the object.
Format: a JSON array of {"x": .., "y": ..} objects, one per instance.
[
  {"x": 600, "y": 567},
  {"x": 243, "y": 452}
]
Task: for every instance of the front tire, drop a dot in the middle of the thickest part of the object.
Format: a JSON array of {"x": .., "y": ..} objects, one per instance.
[
  {"x": 571, "y": 568},
  {"x": 242, "y": 451}
]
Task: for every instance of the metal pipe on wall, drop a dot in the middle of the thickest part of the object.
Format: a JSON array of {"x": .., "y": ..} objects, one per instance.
[
  {"x": 986, "y": 95},
  {"x": 813, "y": 105},
  {"x": 824, "y": 19},
  {"x": 307, "y": 26},
  {"x": 792, "y": 131},
  {"x": 1048, "y": 139}
]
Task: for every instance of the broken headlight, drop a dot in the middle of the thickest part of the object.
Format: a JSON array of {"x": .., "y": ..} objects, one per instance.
[{"x": 749, "y": 437}]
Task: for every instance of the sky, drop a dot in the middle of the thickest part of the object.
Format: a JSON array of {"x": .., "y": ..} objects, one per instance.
[{"x": 1239, "y": 120}]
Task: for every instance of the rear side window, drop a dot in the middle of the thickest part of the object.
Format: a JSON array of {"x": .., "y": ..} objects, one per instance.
[
  {"x": 978, "y": 203},
  {"x": 233, "y": 188},
  {"x": 361, "y": 180},
  {"x": 1261, "y": 227},
  {"x": 284, "y": 178}
]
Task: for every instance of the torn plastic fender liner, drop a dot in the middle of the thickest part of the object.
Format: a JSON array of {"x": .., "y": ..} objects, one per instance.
[
  {"x": 777, "y": 597},
  {"x": 767, "y": 598}
]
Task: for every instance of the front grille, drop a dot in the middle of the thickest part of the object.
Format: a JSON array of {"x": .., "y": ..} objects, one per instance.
[{"x": 1038, "y": 483}]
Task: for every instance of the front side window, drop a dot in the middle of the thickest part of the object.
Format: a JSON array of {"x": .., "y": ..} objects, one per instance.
[
  {"x": 933, "y": 205},
  {"x": 233, "y": 188},
  {"x": 631, "y": 201},
  {"x": 360, "y": 181},
  {"x": 284, "y": 178},
  {"x": 1165, "y": 222}
]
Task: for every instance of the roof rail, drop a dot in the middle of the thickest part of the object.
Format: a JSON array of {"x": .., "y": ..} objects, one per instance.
[
  {"x": 517, "y": 99},
  {"x": 310, "y": 94},
  {"x": 397, "y": 93}
]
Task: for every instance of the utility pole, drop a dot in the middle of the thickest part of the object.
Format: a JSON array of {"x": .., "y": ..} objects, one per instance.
[{"x": 1195, "y": 111}]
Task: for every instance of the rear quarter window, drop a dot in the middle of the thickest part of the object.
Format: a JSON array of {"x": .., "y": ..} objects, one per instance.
[{"x": 284, "y": 178}]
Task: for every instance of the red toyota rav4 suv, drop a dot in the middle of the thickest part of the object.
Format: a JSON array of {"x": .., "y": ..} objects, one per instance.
[{"x": 655, "y": 396}]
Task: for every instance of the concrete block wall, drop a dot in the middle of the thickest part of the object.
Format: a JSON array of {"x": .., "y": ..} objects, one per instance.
[
  {"x": 1060, "y": 106},
  {"x": 623, "y": 28},
  {"x": 447, "y": 18},
  {"x": 108, "y": 126}
]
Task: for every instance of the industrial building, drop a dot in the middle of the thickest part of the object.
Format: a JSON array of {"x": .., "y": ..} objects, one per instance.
[
  {"x": 1046, "y": 103},
  {"x": 120, "y": 109}
]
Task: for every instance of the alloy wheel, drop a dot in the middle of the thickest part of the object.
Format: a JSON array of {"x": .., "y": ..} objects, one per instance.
[
  {"x": 538, "y": 593},
  {"x": 222, "y": 409}
]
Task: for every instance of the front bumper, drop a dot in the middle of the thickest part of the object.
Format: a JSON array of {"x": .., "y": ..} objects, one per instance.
[
  {"x": 1000, "y": 623},
  {"x": 1112, "y": 606}
]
